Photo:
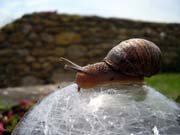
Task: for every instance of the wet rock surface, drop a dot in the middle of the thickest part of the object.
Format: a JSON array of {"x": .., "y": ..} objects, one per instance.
[{"x": 31, "y": 45}]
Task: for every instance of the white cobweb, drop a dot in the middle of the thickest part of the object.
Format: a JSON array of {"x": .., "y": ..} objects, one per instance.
[{"x": 107, "y": 111}]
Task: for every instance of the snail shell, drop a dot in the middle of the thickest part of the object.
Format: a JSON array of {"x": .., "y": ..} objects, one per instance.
[
  {"x": 128, "y": 62},
  {"x": 136, "y": 57}
]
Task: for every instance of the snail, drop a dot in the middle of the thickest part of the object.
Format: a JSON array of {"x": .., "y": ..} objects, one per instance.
[{"x": 128, "y": 62}]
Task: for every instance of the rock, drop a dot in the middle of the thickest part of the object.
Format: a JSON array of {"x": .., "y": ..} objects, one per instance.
[
  {"x": 41, "y": 60},
  {"x": 47, "y": 66},
  {"x": 24, "y": 68},
  {"x": 52, "y": 59},
  {"x": 22, "y": 52},
  {"x": 53, "y": 30},
  {"x": 76, "y": 51},
  {"x": 59, "y": 51},
  {"x": 162, "y": 35},
  {"x": 50, "y": 23},
  {"x": 30, "y": 59},
  {"x": 36, "y": 65},
  {"x": 30, "y": 80},
  {"x": 2, "y": 38},
  {"x": 9, "y": 28},
  {"x": 16, "y": 37},
  {"x": 94, "y": 52},
  {"x": 47, "y": 38},
  {"x": 106, "y": 46},
  {"x": 67, "y": 38},
  {"x": 27, "y": 44},
  {"x": 122, "y": 110},
  {"x": 123, "y": 31},
  {"x": 4, "y": 62},
  {"x": 6, "y": 52},
  {"x": 33, "y": 36},
  {"x": 39, "y": 44},
  {"x": 59, "y": 76},
  {"x": 39, "y": 52},
  {"x": 27, "y": 29}
]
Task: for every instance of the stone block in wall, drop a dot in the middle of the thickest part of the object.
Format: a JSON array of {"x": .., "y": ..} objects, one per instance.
[
  {"x": 33, "y": 36},
  {"x": 59, "y": 51},
  {"x": 30, "y": 80},
  {"x": 47, "y": 37},
  {"x": 30, "y": 59},
  {"x": 67, "y": 38},
  {"x": 16, "y": 37},
  {"x": 60, "y": 75},
  {"x": 24, "y": 68},
  {"x": 22, "y": 52},
  {"x": 2, "y": 38},
  {"x": 36, "y": 66},
  {"x": 6, "y": 52},
  {"x": 76, "y": 51},
  {"x": 27, "y": 28}
]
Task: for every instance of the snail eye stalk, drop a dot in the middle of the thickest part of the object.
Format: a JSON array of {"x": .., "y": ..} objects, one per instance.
[
  {"x": 69, "y": 62},
  {"x": 72, "y": 66}
]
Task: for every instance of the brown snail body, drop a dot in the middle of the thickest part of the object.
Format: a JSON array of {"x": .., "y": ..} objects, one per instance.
[{"x": 128, "y": 62}]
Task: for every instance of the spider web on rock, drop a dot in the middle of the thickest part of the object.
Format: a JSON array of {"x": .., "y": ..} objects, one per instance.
[{"x": 106, "y": 111}]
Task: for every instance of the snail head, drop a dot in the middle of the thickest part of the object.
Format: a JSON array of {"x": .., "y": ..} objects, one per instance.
[{"x": 86, "y": 76}]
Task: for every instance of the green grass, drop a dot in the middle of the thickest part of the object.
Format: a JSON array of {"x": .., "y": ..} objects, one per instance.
[{"x": 168, "y": 84}]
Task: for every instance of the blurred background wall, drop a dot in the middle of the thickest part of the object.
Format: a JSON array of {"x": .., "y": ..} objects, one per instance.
[{"x": 31, "y": 45}]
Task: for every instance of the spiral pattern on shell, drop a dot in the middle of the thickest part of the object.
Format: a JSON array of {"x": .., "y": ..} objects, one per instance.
[{"x": 135, "y": 57}]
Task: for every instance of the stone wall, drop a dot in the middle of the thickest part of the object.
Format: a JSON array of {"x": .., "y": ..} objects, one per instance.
[{"x": 30, "y": 46}]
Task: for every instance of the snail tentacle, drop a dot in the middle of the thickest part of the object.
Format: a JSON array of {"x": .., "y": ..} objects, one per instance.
[
  {"x": 72, "y": 66},
  {"x": 69, "y": 62}
]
